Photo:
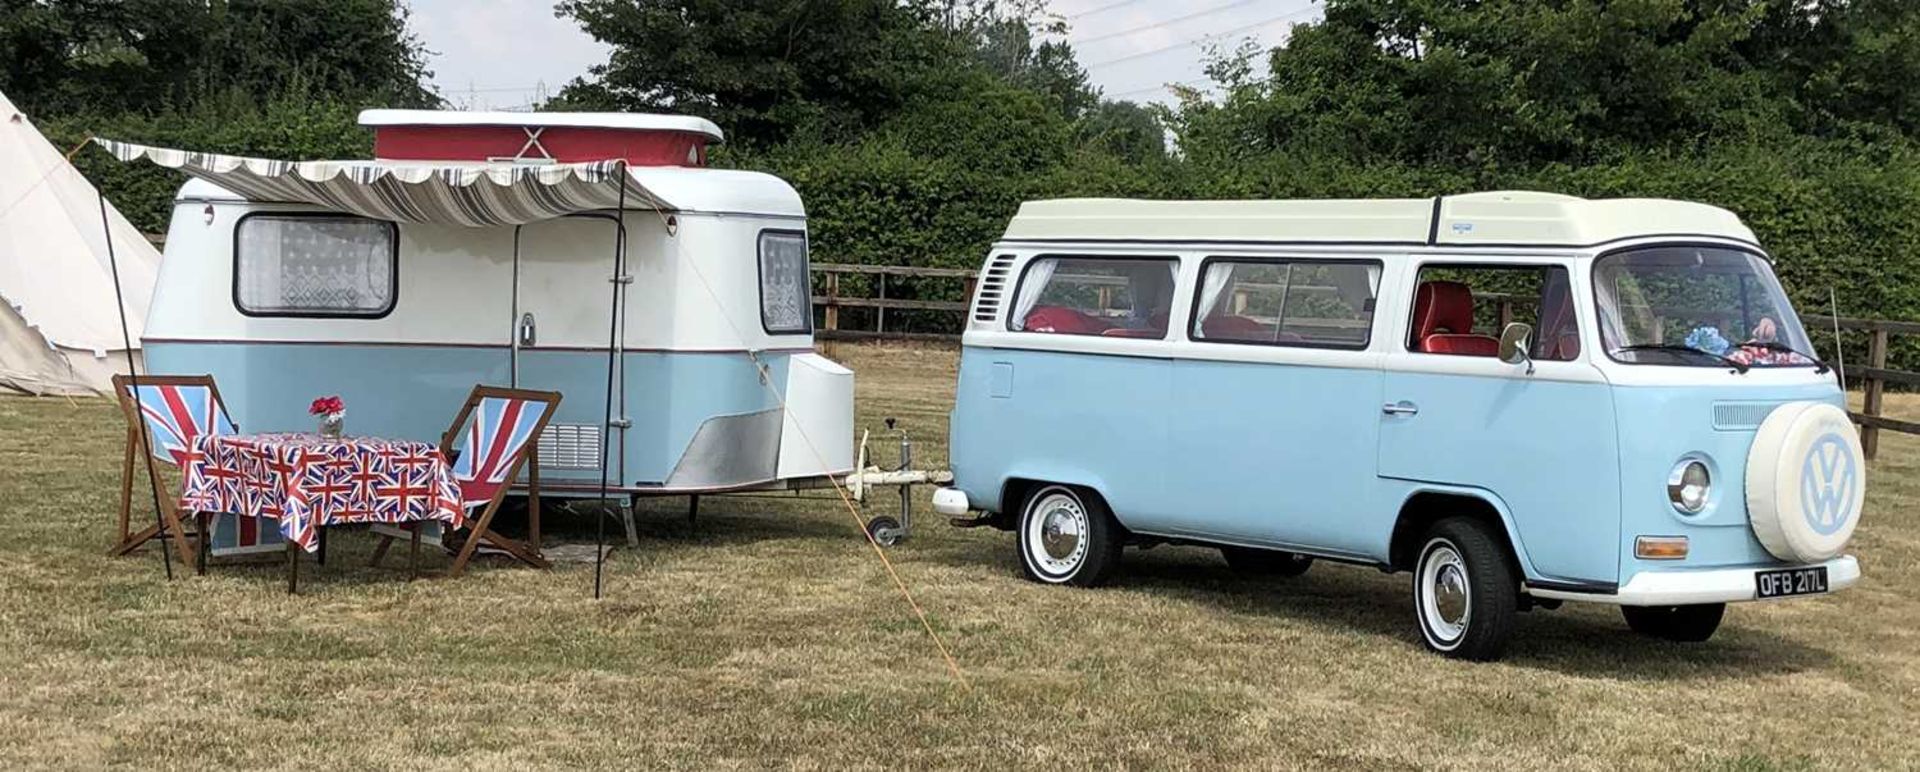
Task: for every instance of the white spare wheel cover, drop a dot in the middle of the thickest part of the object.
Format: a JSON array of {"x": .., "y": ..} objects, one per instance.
[{"x": 1806, "y": 480}]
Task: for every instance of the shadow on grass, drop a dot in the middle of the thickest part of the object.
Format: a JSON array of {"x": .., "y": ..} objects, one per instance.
[{"x": 1591, "y": 642}]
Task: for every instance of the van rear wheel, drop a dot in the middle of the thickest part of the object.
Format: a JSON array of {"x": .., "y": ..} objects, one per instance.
[
  {"x": 1259, "y": 562},
  {"x": 1465, "y": 594},
  {"x": 1685, "y": 624},
  {"x": 1067, "y": 536}
]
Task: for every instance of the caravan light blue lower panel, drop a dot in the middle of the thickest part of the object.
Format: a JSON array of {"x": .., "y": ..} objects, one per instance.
[{"x": 412, "y": 391}]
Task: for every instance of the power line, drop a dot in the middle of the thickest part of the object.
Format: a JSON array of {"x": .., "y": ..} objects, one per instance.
[
  {"x": 1167, "y": 23},
  {"x": 1194, "y": 82},
  {"x": 1201, "y": 39},
  {"x": 1102, "y": 9}
]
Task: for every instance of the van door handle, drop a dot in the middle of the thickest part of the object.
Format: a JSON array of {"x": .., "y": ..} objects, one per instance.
[{"x": 1402, "y": 407}]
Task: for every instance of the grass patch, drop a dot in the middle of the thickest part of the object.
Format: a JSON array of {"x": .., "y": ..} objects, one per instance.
[{"x": 767, "y": 633}]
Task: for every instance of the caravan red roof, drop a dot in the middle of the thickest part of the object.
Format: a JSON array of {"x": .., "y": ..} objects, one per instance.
[{"x": 446, "y": 135}]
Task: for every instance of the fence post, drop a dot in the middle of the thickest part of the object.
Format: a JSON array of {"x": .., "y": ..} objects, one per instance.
[
  {"x": 880, "y": 314},
  {"x": 833, "y": 301},
  {"x": 1876, "y": 359}
]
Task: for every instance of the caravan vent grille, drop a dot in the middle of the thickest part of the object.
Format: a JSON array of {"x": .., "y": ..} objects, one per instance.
[
  {"x": 993, "y": 288},
  {"x": 570, "y": 446},
  {"x": 1741, "y": 415}
]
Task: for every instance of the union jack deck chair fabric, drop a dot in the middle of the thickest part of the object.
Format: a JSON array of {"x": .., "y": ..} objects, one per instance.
[
  {"x": 488, "y": 453},
  {"x": 171, "y": 411}
]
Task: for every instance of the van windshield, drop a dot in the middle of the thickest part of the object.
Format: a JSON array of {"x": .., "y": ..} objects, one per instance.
[{"x": 1696, "y": 307}]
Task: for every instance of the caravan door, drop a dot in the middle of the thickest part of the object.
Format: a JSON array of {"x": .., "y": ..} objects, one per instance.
[{"x": 561, "y": 315}]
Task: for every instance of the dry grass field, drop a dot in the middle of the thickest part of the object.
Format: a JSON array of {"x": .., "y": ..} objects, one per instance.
[{"x": 769, "y": 635}]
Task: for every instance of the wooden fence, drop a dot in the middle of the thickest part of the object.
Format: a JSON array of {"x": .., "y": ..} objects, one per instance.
[
  {"x": 833, "y": 301},
  {"x": 1871, "y": 378}
]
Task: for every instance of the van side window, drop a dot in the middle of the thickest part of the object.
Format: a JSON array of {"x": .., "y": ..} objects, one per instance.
[
  {"x": 1460, "y": 310},
  {"x": 1293, "y": 303},
  {"x": 312, "y": 265},
  {"x": 1110, "y": 297}
]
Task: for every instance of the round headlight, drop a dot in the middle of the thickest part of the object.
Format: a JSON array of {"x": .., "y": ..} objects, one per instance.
[{"x": 1688, "y": 486}]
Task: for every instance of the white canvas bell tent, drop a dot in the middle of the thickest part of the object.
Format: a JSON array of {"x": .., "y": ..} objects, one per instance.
[{"x": 59, "y": 327}]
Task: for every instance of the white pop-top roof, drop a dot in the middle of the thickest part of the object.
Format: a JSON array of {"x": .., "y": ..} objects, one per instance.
[
  {"x": 640, "y": 121},
  {"x": 677, "y": 189},
  {"x": 1499, "y": 218}
]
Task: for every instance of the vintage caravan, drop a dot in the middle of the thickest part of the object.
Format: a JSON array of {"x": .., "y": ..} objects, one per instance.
[
  {"x": 1521, "y": 398},
  {"x": 480, "y": 248}
]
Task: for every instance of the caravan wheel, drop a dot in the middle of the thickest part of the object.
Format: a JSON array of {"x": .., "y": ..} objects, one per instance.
[{"x": 1068, "y": 537}]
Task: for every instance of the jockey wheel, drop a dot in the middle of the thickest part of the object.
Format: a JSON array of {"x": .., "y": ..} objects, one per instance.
[{"x": 886, "y": 531}]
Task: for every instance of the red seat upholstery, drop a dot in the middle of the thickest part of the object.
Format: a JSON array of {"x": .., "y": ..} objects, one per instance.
[
  {"x": 1061, "y": 320},
  {"x": 1229, "y": 327},
  {"x": 1443, "y": 321}
]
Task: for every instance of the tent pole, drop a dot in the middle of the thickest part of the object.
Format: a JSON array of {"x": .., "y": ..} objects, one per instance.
[
  {"x": 613, "y": 332},
  {"x": 133, "y": 376}
]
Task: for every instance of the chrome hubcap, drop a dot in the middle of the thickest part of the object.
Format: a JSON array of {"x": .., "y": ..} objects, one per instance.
[
  {"x": 1060, "y": 535},
  {"x": 1055, "y": 534},
  {"x": 1446, "y": 602}
]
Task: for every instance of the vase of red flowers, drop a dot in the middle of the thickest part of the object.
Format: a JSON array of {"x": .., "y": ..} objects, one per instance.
[{"x": 332, "y": 414}]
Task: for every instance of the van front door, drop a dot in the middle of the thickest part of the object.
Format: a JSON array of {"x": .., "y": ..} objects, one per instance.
[
  {"x": 1453, "y": 417},
  {"x": 560, "y": 318}
]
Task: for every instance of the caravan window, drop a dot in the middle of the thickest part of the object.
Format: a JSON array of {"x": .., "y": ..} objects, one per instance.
[
  {"x": 786, "y": 292},
  {"x": 1110, "y": 297},
  {"x": 304, "y": 265}
]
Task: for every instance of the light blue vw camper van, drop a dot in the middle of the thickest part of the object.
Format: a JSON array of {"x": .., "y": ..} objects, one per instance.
[{"x": 1520, "y": 398}]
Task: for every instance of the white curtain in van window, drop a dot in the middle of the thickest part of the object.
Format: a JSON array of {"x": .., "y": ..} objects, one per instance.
[
  {"x": 1039, "y": 275},
  {"x": 1219, "y": 277}
]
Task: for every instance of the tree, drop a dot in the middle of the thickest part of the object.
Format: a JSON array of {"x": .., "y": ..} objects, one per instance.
[
  {"x": 766, "y": 72},
  {"x": 109, "y": 57},
  {"x": 1475, "y": 82}
]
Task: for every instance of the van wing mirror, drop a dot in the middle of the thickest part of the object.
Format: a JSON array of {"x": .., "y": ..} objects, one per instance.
[{"x": 1514, "y": 342}]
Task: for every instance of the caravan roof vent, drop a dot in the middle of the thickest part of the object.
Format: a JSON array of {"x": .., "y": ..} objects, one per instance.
[{"x": 506, "y": 137}]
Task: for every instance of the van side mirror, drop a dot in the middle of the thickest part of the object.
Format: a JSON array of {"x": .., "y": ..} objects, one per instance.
[{"x": 1514, "y": 342}]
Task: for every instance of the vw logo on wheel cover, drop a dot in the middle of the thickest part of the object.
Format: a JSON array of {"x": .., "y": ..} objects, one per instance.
[{"x": 1827, "y": 479}]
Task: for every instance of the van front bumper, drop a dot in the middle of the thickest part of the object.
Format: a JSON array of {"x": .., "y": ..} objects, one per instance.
[{"x": 1680, "y": 587}]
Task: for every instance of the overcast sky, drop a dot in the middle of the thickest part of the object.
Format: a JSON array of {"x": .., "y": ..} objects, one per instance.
[{"x": 500, "y": 54}]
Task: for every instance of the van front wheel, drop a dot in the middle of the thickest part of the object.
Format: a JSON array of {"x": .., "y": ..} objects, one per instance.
[
  {"x": 1067, "y": 536},
  {"x": 1464, "y": 591},
  {"x": 1686, "y": 624}
]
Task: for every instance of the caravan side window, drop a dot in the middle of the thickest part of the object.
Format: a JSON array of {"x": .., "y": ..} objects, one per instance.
[
  {"x": 1110, "y": 297},
  {"x": 315, "y": 265},
  {"x": 786, "y": 290}
]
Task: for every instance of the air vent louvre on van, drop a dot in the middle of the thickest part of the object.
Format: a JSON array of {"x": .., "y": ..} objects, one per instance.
[
  {"x": 570, "y": 446},
  {"x": 993, "y": 288},
  {"x": 1741, "y": 415}
]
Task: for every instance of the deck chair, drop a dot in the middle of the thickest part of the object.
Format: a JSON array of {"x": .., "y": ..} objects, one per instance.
[
  {"x": 173, "y": 411},
  {"x": 487, "y": 457}
]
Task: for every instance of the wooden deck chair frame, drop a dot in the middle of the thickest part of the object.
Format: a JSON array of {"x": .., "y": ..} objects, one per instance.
[
  {"x": 529, "y": 456},
  {"x": 140, "y": 444}
]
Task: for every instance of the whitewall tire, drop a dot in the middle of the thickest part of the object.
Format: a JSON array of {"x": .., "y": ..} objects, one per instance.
[
  {"x": 1067, "y": 536},
  {"x": 1465, "y": 594}
]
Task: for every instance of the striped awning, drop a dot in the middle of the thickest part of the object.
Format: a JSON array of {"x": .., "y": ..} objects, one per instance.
[{"x": 472, "y": 195}]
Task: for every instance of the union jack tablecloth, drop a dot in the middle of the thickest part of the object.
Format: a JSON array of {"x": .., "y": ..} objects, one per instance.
[{"x": 305, "y": 481}]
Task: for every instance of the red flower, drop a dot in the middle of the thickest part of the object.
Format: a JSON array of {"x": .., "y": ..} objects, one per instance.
[{"x": 325, "y": 405}]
